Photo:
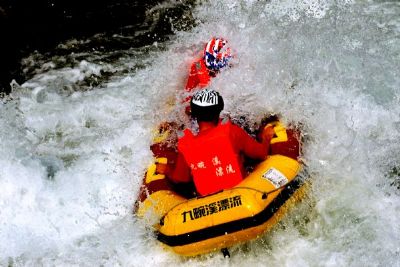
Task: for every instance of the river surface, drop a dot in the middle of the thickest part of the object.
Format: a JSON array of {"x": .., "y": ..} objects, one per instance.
[{"x": 75, "y": 137}]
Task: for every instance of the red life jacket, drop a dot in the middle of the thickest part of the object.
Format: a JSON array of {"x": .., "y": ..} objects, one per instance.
[
  {"x": 214, "y": 163},
  {"x": 199, "y": 75}
]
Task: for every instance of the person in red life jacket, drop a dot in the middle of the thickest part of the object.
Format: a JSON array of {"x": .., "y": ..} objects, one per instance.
[
  {"x": 213, "y": 158},
  {"x": 216, "y": 56}
]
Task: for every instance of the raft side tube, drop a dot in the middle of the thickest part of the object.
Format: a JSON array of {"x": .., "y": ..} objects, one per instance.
[
  {"x": 156, "y": 194},
  {"x": 234, "y": 215},
  {"x": 244, "y": 232}
]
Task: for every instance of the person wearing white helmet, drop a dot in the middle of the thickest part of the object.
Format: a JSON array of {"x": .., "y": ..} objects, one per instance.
[{"x": 213, "y": 158}]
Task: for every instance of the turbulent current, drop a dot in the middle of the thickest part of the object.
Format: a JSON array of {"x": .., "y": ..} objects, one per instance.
[{"x": 75, "y": 137}]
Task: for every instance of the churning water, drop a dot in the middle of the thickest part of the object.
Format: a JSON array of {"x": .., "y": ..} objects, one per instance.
[{"x": 75, "y": 137}]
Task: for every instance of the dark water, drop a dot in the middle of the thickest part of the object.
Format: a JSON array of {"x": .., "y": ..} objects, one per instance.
[{"x": 29, "y": 26}]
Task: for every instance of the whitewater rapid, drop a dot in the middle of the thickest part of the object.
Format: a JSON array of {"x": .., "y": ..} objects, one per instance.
[{"x": 73, "y": 150}]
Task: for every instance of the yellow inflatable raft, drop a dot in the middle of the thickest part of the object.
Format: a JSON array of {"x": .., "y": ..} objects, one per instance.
[{"x": 204, "y": 224}]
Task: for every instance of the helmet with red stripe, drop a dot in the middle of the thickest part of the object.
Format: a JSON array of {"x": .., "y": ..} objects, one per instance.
[{"x": 216, "y": 54}]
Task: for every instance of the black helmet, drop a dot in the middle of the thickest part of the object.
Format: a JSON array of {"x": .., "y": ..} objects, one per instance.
[{"x": 206, "y": 105}]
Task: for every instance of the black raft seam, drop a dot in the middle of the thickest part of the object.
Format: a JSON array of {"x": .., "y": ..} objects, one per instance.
[{"x": 231, "y": 227}]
